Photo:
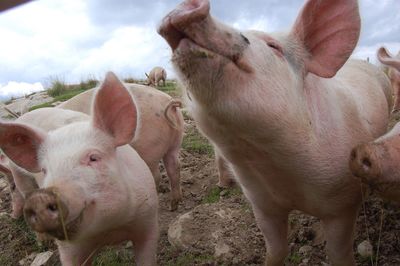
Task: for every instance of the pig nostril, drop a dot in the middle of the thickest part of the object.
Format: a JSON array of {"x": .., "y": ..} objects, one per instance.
[
  {"x": 366, "y": 163},
  {"x": 353, "y": 155},
  {"x": 52, "y": 207}
]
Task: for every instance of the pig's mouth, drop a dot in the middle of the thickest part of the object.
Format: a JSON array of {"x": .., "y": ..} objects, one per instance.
[
  {"x": 68, "y": 229},
  {"x": 183, "y": 44}
]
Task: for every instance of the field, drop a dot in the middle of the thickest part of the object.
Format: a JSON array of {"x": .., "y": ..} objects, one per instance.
[{"x": 379, "y": 222}]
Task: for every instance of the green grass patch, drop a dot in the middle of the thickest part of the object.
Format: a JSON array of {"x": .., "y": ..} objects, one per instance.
[
  {"x": 170, "y": 88},
  {"x": 113, "y": 257},
  {"x": 294, "y": 258},
  {"x": 190, "y": 259},
  {"x": 212, "y": 196},
  {"x": 195, "y": 142}
]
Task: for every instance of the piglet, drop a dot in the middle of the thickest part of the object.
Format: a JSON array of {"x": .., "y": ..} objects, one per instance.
[
  {"x": 95, "y": 190},
  {"x": 377, "y": 162},
  {"x": 284, "y": 110}
]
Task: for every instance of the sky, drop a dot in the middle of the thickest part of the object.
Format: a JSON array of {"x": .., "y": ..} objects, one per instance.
[{"x": 74, "y": 40}]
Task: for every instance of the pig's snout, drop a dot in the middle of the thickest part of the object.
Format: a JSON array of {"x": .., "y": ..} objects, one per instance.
[
  {"x": 364, "y": 163},
  {"x": 45, "y": 212},
  {"x": 174, "y": 24}
]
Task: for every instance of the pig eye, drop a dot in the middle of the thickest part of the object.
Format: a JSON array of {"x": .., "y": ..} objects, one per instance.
[
  {"x": 44, "y": 171},
  {"x": 94, "y": 158},
  {"x": 276, "y": 47}
]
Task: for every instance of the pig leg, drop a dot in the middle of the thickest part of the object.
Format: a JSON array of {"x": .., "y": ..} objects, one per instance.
[
  {"x": 76, "y": 254},
  {"x": 225, "y": 175},
  {"x": 339, "y": 235},
  {"x": 145, "y": 243},
  {"x": 172, "y": 166},
  {"x": 17, "y": 202},
  {"x": 155, "y": 170},
  {"x": 274, "y": 228}
]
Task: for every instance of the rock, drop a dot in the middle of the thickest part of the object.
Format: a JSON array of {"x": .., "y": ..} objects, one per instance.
[
  {"x": 305, "y": 250},
  {"x": 365, "y": 249},
  {"x": 43, "y": 259},
  {"x": 221, "y": 230},
  {"x": 28, "y": 259}
]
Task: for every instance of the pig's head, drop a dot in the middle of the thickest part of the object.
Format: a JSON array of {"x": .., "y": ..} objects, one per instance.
[
  {"x": 209, "y": 55},
  {"x": 377, "y": 164},
  {"x": 82, "y": 186}
]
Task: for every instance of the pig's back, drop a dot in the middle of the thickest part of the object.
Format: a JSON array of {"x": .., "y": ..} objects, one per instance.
[{"x": 51, "y": 118}]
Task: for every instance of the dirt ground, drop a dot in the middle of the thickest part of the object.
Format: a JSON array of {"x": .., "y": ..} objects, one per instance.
[{"x": 380, "y": 223}]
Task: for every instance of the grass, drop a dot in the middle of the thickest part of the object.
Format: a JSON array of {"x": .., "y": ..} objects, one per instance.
[
  {"x": 295, "y": 258},
  {"x": 185, "y": 259},
  {"x": 112, "y": 257},
  {"x": 193, "y": 141},
  {"x": 170, "y": 88},
  {"x": 212, "y": 196},
  {"x": 62, "y": 92}
]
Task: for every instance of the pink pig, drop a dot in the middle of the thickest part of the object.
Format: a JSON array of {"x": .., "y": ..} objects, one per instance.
[
  {"x": 95, "y": 190},
  {"x": 285, "y": 111},
  {"x": 393, "y": 73},
  {"x": 377, "y": 162},
  {"x": 156, "y": 75},
  {"x": 159, "y": 133}
]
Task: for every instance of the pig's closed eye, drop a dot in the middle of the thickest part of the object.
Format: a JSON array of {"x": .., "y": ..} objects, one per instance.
[
  {"x": 94, "y": 158},
  {"x": 44, "y": 171},
  {"x": 276, "y": 47}
]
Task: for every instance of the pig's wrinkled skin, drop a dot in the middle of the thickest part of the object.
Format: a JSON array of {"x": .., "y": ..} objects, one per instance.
[
  {"x": 101, "y": 187},
  {"x": 285, "y": 111},
  {"x": 377, "y": 162},
  {"x": 393, "y": 72},
  {"x": 156, "y": 75},
  {"x": 159, "y": 134}
]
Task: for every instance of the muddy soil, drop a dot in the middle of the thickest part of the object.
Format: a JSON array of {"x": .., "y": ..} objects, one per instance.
[{"x": 379, "y": 222}]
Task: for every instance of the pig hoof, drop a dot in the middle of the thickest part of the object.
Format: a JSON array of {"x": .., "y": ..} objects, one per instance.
[
  {"x": 173, "y": 205},
  {"x": 226, "y": 184},
  {"x": 394, "y": 111}
]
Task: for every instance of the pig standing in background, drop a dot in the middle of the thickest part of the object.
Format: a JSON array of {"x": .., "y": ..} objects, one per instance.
[
  {"x": 393, "y": 73},
  {"x": 155, "y": 76},
  {"x": 95, "y": 190},
  {"x": 159, "y": 133},
  {"x": 377, "y": 162},
  {"x": 285, "y": 111}
]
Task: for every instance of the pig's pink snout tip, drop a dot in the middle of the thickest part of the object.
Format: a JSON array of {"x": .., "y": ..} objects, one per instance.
[{"x": 363, "y": 163}]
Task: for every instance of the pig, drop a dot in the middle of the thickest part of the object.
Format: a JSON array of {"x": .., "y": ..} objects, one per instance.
[
  {"x": 159, "y": 134},
  {"x": 376, "y": 162},
  {"x": 284, "y": 109},
  {"x": 393, "y": 73},
  {"x": 95, "y": 189},
  {"x": 156, "y": 75}
]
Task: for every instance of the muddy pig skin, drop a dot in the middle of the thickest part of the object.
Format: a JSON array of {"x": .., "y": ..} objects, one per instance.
[
  {"x": 156, "y": 75},
  {"x": 377, "y": 162},
  {"x": 95, "y": 189},
  {"x": 159, "y": 133},
  {"x": 285, "y": 111}
]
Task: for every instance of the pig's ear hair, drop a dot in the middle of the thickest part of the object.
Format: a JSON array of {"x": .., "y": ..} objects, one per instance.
[
  {"x": 21, "y": 143},
  {"x": 329, "y": 31},
  {"x": 387, "y": 59},
  {"x": 114, "y": 110}
]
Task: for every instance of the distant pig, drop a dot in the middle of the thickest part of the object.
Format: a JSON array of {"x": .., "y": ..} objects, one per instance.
[
  {"x": 284, "y": 110},
  {"x": 377, "y": 162},
  {"x": 159, "y": 133},
  {"x": 156, "y": 75},
  {"x": 95, "y": 189},
  {"x": 393, "y": 73}
]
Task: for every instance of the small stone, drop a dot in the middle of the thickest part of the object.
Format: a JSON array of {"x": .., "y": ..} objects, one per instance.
[
  {"x": 305, "y": 250},
  {"x": 365, "y": 249},
  {"x": 129, "y": 244},
  {"x": 223, "y": 192},
  {"x": 42, "y": 258}
]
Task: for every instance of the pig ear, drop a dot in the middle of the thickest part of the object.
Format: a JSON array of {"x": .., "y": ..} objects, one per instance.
[
  {"x": 329, "y": 31},
  {"x": 21, "y": 143},
  {"x": 387, "y": 59},
  {"x": 114, "y": 110}
]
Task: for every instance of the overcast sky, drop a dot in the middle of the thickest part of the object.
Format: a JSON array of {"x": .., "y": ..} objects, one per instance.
[{"x": 73, "y": 40}]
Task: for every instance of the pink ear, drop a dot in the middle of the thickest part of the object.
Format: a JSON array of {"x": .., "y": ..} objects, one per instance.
[
  {"x": 20, "y": 143},
  {"x": 114, "y": 110},
  {"x": 387, "y": 59},
  {"x": 329, "y": 30}
]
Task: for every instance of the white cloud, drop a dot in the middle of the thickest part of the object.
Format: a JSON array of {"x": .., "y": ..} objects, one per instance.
[{"x": 17, "y": 89}]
